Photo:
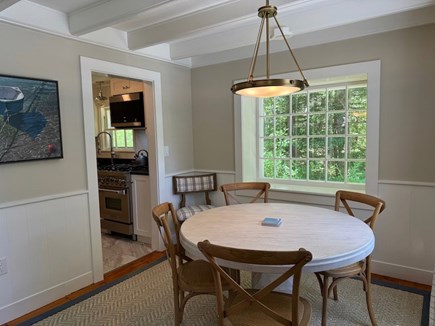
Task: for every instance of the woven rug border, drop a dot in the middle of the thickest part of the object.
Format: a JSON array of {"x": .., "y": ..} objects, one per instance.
[
  {"x": 425, "y": 294},
  {"x": 424, "y": 314},
  {"x": 90, "y": 293}
]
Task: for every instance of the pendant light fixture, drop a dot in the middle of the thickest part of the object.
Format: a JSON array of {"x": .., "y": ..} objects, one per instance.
[
  {"x": 100, "y": 99},
  {"x": 269, "y": 87}
]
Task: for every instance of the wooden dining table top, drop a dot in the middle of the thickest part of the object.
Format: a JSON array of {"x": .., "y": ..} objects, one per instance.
[{"x": 335, "y": 239}]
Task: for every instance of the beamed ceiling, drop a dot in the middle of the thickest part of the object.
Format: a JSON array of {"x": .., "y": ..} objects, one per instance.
[{"x": 197, "y": 33}]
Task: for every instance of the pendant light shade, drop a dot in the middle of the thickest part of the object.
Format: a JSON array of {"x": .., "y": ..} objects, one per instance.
[
  {"x": 100, "y": 99},
  {"x": 269, "y": 87}
]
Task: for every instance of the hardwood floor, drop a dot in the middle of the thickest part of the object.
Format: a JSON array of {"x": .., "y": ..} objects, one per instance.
[
  {"x": 409, "y": 284},
  {"x": 143, "y": 261}
]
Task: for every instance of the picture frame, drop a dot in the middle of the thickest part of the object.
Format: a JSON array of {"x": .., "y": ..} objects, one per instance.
[{"x": 30, "y": 125}]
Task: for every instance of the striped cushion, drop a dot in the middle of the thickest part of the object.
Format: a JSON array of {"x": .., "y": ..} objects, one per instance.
[
  {"x": 186, "y": 212},
  {"x": 195, "y": 183}
]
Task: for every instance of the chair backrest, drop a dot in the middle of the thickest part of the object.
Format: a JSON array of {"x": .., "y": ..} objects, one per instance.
[
  {"x": 186, "y": 184},
  {"x": 161, "y": 214},
  {"x": 346, "y": 197},
  {"x": 258, "y": 257},
  {"x": 230, "y": 189}
]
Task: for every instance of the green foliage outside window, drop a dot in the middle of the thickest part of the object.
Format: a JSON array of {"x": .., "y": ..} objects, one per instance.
[
  {"x": 316, "y": 135},
  {"x": 123, "y": 138}
]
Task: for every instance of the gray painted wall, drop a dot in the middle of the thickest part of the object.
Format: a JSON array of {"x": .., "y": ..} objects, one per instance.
[
  {"x": 407, "y": 107},
  {"x": 34, "y": 54}
]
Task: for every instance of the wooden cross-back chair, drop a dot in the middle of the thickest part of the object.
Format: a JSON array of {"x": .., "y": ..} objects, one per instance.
[
  {"x": 259, "y": 306},
  {"x": 184, "y": 185},
  {"x": 361, "y": 269},
  {"x": 190, "y": 277},
  {"x": 261, "y": 191}
]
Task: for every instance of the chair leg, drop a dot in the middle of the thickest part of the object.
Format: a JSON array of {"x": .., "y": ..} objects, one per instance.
[
  {"x": 319, "y": 279},
  {"x": 177, "y": 297},
  {"x": 368, "y": 292},
  {"x": 335, "y": 291},
  {"x": 324, "y": 299},
  {"x": 369, "y": 306}
]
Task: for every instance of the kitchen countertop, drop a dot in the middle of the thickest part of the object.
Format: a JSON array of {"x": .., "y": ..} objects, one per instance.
[{"x": 126, "y": 165}]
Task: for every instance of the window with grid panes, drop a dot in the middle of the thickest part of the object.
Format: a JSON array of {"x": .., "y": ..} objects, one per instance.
[{"x": 317, "y": 135}]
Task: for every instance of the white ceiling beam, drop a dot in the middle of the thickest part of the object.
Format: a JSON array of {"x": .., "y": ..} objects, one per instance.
[
  {"x": 170, "y": 11},
  {"x": 7, "y": 3},
  {"x": 195, "y": 23},
  {"x": 33, "y": 15},
  {"x": 300, "y": 21},
  {"x": 372, "y": 26},
  {"x": 105, "y": 14}
]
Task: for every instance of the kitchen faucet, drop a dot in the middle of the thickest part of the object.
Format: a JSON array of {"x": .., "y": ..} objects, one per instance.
[{"x": 112, "y": 153}]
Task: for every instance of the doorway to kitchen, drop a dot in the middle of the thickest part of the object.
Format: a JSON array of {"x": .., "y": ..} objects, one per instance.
[
  {"x": 118, "y": 149},
  {"x": 155, "y": 146}
]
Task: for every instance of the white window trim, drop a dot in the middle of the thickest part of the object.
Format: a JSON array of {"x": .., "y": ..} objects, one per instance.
[{"x": 372, "y": 70}]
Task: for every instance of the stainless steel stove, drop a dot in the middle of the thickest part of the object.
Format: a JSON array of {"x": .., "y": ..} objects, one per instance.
[
  {"x": 114, "y": 187},
  {"x": 113, "y": 179}
]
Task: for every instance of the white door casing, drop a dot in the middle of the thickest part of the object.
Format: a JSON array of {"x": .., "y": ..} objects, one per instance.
[{"x": 155, "y": 142}]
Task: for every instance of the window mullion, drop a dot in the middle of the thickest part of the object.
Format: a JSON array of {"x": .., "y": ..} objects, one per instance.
[{"x": 318, "y": 125}]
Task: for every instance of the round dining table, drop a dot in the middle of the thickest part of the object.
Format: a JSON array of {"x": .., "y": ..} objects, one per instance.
[{"x": 335, "y": 239}]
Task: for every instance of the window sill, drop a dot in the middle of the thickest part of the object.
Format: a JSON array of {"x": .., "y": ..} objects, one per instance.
[{"x": 323, "y": 196}]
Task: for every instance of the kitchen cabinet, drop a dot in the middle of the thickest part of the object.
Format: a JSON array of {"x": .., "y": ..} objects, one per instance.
[
  {"x": 141, "y": 207},
  {"x": 124, "y": 86}
]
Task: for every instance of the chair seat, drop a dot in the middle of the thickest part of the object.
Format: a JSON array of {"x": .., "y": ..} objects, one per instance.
[
  {"x": 346, "y": 271},
  {"x": 186, "y": 212},
  {"x": 281, "y": 303}
]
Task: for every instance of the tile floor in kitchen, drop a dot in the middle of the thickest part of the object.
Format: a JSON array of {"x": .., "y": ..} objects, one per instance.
[{"x": 119, "y": 250}]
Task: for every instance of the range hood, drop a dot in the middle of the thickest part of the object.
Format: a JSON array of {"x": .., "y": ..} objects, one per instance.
[{"x": 127, "y": 110}]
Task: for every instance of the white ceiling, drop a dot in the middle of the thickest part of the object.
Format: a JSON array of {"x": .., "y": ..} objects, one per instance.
[{"x": 196, "y": 33}]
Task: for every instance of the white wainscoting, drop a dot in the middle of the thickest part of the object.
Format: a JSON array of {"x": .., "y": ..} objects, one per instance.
[
  {"x": 405, "y": 242},
  {"x": 47, "y": 245}
]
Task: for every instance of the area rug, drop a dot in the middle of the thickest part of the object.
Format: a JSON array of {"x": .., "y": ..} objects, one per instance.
[{"x": 145, "y": 298}]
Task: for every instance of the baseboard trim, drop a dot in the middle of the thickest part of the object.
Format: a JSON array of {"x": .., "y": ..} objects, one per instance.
[
  {"x": 402, "y": 272},
  {"x": 144, "y": 239}
]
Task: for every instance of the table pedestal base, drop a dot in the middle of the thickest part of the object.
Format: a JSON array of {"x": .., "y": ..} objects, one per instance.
[{"x": 260, "y": 280}]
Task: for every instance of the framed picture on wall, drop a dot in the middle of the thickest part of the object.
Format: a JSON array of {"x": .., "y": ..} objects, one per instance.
[{"x": 29, "y": 119}]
